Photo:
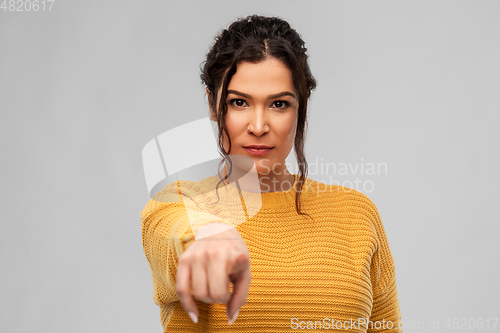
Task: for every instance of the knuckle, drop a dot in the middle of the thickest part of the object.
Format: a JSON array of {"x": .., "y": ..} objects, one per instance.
[
  {"x": 198, "y": 295},
  {"x": 203, "y": 297},
  {"x": 200, "y": 292},
  {"x": 190, "y": 259},
  {"x": 184, "y": 259},
  {"x": 180, "y": 291},
  {"x": 214, "y": 252},
  {"x": 220, "y": 296}
]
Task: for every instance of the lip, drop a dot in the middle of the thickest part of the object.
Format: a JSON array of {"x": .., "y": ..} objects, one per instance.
[
  {"x": 257, "y": 146},
  {"x": 258, "y": 151}
]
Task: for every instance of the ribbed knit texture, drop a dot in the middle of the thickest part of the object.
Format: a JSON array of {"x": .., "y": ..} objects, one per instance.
[{"x": 337, "y": 265}]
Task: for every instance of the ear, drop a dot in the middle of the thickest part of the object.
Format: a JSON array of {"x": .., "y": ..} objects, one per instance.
[
  {"x": 213, "y": 117},
  {"x": 212, "y": 112}
]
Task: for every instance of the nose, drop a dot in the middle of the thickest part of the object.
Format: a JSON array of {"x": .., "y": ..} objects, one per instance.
[{"x": 258, "y": 123}]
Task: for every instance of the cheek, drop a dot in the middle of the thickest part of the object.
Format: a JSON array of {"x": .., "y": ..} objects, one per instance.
[
  {"x": 288, "y": 130},
  {"x": 232, "y": 124},
  {"x": 235, "y": 127}
]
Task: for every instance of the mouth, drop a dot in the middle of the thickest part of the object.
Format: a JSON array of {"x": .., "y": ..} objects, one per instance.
[{"x": 258, "y": 149}]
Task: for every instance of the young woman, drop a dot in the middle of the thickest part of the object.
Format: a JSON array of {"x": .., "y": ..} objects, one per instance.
[{"x": 310, "y": 256}]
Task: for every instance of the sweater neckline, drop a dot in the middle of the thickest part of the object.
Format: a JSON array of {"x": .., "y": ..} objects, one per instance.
[{"x": 265, "y": 200}]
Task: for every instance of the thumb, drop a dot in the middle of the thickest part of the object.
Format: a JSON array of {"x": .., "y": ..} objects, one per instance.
[{"x": 239, "y": 265}]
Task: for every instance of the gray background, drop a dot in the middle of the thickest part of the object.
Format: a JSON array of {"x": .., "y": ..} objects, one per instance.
[{"x": 85, "y": 86}]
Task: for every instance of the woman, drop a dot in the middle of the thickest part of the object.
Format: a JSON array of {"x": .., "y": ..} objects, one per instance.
[{"x": 308, "y": 255}]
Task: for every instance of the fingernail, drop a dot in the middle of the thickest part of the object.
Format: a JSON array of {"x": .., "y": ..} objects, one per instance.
[
  {"x": 193, "y": 317},
  {"x": 234, "y": 317}
]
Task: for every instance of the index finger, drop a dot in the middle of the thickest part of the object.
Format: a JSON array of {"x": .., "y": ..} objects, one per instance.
[{"x": 241, "y": 286}]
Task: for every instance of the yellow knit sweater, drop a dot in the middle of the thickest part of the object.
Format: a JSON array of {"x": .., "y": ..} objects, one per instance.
[{"x": 332, "y": 272}]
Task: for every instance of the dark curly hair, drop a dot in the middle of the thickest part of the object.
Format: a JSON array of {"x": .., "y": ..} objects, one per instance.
[{"x": 253, "y": 39}]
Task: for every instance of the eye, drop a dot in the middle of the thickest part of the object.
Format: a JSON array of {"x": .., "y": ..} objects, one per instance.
[
  {"x": 237, "y": 102},
  {"x": 281, "y": 104}
]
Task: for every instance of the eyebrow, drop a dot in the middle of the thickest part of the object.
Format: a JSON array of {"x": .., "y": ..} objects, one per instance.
[{"x": 284, "y": 93}]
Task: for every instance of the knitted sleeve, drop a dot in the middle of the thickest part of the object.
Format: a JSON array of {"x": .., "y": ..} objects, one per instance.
[
  {"x": 385, "y": 316},
  {"x": 169, "y": 222}
]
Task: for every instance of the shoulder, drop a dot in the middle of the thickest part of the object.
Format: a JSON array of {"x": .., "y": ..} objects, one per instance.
[
  {"x": 174, "y": 194},
  {"x": 342, "y": 198},
  {"x": 319, "y": 190},
  {"x": 361, "y": 206}
]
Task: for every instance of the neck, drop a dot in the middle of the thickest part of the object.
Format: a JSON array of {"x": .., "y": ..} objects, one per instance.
[{"x": 252, "y": 181}]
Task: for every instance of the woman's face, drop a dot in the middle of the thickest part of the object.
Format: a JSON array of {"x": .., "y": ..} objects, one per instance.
[{"x": 262, "y": 110}]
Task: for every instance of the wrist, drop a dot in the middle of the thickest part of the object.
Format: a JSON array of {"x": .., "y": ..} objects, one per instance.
[{"x": 211, "y": 229}]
